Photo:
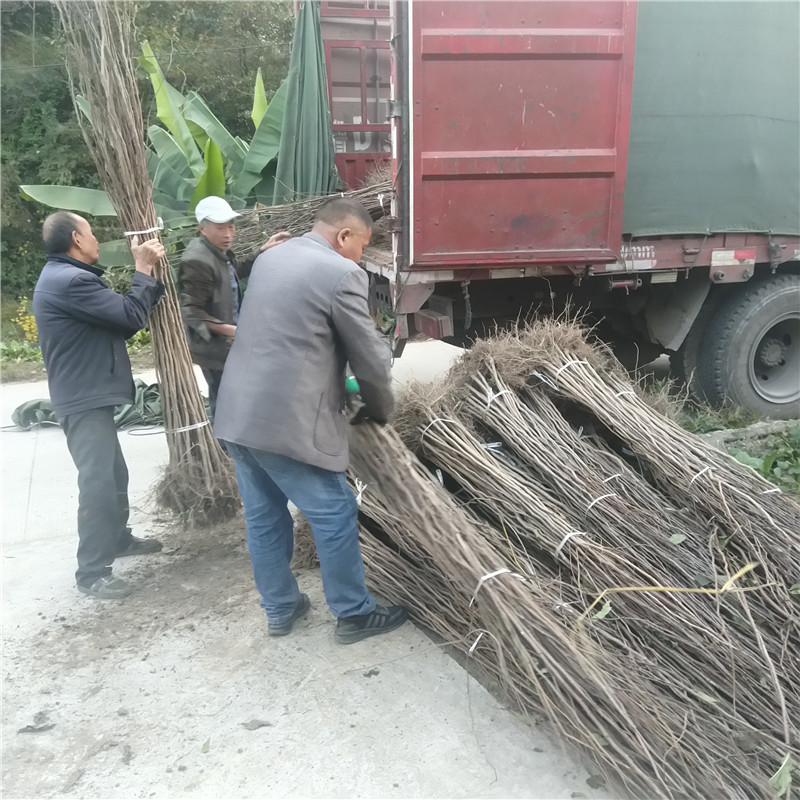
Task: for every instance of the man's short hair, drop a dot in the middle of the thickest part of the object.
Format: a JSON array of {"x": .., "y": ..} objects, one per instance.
[
  {"x": 338, "y": 211},
  {"x": 57, "y": 231}
]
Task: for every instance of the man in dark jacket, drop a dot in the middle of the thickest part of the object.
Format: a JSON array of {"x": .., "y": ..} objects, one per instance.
[
  {"x": 82, "y": 328},
  {"x": 208, "y": 284},
  {"x": 281, "y": 414}
]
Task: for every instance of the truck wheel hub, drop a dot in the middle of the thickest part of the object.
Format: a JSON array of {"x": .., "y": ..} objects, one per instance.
[{"x": 772, "y": 352}]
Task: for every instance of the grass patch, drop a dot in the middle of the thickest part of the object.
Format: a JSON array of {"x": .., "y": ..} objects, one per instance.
[
  {"x": 775, "y": 457},
  {"x": 700, "y": 418}
]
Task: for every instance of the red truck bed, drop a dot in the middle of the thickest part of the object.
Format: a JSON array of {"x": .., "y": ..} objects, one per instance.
[{"x": 532, "y": 168}]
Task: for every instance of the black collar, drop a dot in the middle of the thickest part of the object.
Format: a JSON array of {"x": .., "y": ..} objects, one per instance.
[
  {"x": 65, "y": 259},
  {"x": 225, "y": 255}
]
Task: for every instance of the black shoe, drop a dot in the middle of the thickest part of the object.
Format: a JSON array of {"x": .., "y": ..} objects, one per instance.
[
  {"x": 140, "y": 547},
  {"x": 381, "y": 620},
  {"x": 108, "y": 587},
  {"x": 281, "y": 629}
]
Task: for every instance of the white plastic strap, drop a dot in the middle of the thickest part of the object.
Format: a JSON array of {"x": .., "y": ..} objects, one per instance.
[
  {"x": 158, "y": 227},
  {"x": 598, "y": 499},
  {"x": 433, "y": 422},
  {"x": 475, "y": 643},
  {"x": 360, "y": 486},
  {"x": 501, "y": 571},
  {"x": 380, "y": 200},
  {"x": 705, "y": 469},
  {"x": 611, "y": 477},
  {"x": 569, "y": 364},
  {"x": 490, "y": 395},
  {"x": 772, "y": 491},
  {"x": 495, "y": 446},
  {"x": 544, "y": 379},
  {"x": 559, "y": 606},
  {"x": 626, "y": 391},
  {"x": 189, "y": 427},
  {"x": 566, "y": 539},
  {"x": 440, "y": 477}
]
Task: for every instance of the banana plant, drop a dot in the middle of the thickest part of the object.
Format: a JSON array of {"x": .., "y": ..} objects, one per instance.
[{"x": 191, "y": 157}]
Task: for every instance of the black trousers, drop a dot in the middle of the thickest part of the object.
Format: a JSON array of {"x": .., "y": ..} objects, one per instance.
[
  {"x": 102, "y": 490},
  {"x": 213, "y": 377}
]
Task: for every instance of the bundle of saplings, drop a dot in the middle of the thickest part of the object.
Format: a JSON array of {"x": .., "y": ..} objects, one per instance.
[{"x": 611, "y": 570}]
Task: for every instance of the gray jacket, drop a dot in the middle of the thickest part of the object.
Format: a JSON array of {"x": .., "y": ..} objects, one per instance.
[{"x": 304, "y": 317}]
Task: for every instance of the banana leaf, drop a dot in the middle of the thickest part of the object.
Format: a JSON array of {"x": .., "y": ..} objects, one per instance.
[
  {"x": 198, "y": 134},
  {"x": 115, "y": 254},
  {"x": 196, "y": 111},
  {"x": 169, "y": 102},
  {"x": 265, "y": 188},
  {"x": 173, "y": 214},
  {"x": 83, "y": 105},
  {"x": 71, "y": 198},
  {"x": 264, "y": 145},
  {"x": 168, "y": 151},
  {"x": 167, "y": 180},
  {"x": 212, "y": 182},
  {"x": 260, "y": 104}
]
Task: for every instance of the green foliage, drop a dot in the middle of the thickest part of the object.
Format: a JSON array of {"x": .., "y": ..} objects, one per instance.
[
  {"x": 781, "y": 465},
  {"x": 139, "y": 341},
  {"x": 18, "y": 352},
  {"x": 705, "y": 419},
  {"x": 71, "y": 198},
  {"x": 175, "y": 164},
  {"x": 212, "y": 47},
  {"x": 212, "y": 181},
  {"x": 259, "y": 100},
  {"x": 119, "y": 278},
  {"x": 168, "y": 109},
  {"x": 216, "y": 48}
]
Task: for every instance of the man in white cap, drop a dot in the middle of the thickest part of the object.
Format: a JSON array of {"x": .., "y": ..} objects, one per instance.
[{"x": 210, "y": 293}]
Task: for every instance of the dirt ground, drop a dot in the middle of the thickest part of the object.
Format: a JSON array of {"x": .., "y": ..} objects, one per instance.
[{"x": 178, "y": 692}]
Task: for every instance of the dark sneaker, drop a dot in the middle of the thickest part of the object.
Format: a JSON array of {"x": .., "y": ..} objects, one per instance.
[
  {"x": 108, "y": 587},
  {"x": 140, "y": 547},
  {"x": 381, "y": 620},
  {"x": 282, "y": 628}
]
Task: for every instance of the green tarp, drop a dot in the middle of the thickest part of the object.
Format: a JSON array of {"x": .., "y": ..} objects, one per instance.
[
  {"x": 306, "y": 166},
  {"x": 146, "y": 409},
  {"x": 715, "y": 122}
]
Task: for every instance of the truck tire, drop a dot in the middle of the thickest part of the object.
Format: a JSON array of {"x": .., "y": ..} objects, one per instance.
[
  {"x": 685, "y": 363},
  {"x": 751, "y": 349}
]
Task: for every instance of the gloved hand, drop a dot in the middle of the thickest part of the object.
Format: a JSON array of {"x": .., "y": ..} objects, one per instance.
[{"x": 363, "y": 415}]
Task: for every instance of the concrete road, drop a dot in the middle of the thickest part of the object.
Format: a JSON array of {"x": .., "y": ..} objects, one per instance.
[{"x": 149, "y": 697}]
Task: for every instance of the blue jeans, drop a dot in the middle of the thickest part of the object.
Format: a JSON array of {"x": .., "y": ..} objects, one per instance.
[{"x": 266, "y": 482}]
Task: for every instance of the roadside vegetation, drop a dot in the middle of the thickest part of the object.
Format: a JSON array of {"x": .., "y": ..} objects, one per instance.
[
  {"x": 217, "y": 49},
  {"x": 771, "y": 449}
]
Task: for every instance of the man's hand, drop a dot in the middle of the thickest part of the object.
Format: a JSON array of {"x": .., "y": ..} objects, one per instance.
[
  {"x": 276, "y": 238},
  {"x": 222, "y": 329},
  {"x": 146, "y": 254}
]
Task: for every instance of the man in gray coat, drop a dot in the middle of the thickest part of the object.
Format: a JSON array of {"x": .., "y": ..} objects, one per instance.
[{"x": 280, "y": 413}]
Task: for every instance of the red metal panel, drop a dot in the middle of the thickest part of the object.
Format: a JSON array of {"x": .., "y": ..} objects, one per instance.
[
  {"x": 354, "y": 167},
  {"x": 520, "y": 113}
]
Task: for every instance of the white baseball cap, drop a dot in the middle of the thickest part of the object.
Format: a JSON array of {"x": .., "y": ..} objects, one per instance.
[{"x": 214, "y": 209}]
